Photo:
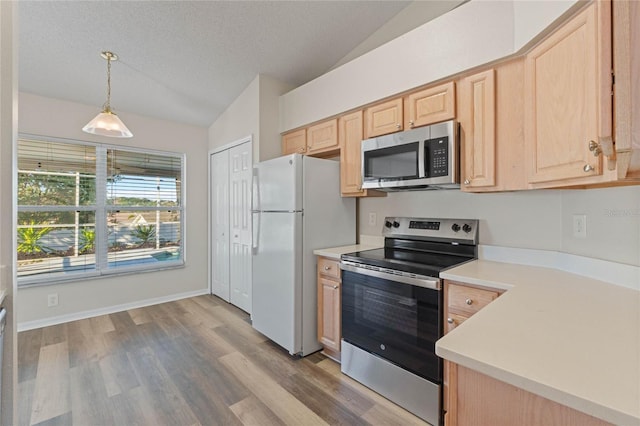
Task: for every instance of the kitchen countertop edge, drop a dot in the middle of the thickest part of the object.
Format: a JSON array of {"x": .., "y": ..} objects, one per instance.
[
  {"x": 522, "y": 282},
  {"x": 336, "y": 252}
]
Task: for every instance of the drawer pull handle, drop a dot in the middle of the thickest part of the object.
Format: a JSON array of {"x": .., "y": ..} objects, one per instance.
[
  {"x": 468, "y": 301},
  {"x": 450, "y": 320},
  {"x": 327, "y": 268}
]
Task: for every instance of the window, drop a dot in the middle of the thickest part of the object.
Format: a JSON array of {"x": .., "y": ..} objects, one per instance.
[{"x": 89, "y": 210}]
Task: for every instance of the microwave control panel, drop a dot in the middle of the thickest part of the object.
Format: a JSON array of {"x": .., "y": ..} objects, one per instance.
[{"x": 437, "y": 157}]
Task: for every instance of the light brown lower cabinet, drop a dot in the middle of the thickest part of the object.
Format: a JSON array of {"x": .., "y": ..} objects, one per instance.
[
  {"x": 329, "y": 305},
  {"x": 482, "y": 400},
  {"x": 472, "y": 398}
]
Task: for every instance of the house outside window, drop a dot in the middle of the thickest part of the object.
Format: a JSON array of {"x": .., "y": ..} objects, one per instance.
[{"x": 88, "y": 210}]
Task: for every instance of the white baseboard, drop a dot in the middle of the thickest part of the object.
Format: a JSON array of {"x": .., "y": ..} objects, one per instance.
[{"x": 30, "y": 325}]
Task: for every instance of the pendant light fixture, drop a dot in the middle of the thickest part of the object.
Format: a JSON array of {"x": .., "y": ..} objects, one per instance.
[{"x": 107, "y": 122}]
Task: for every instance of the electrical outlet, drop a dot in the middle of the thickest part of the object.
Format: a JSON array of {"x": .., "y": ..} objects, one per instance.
[
  {"x": 372, "y": 219},
  {"x": 52, "y": 300},
  {"x": 580, "y": 226}
]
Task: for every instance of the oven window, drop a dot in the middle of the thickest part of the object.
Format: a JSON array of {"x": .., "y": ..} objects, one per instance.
[
  {"x": 385, "y": 309},
  {"x": 396, "y": 321},
  {"x": 395, "y": 162}
]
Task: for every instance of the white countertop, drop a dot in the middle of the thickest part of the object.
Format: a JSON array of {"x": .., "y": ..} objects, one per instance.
[{"x": 565, "y": 337}]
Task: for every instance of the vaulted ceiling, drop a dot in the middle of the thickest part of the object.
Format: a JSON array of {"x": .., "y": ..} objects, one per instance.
[{"x": 186, "y": 61}]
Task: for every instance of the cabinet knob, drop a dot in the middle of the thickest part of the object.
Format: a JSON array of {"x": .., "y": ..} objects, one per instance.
[
  {"x": 335, "y": 287},
  {"x": 327, "y": 268},
  {"x": 468, "y": 301},
  {"x": 398, "y": 126},
  {"x": 411, "y": 123},
  {"x": 467, "y": 182},
  {"x": 587, "y": 168},
  {"x": 450, "y": 320},
  {"x": 595, "y": 148}
]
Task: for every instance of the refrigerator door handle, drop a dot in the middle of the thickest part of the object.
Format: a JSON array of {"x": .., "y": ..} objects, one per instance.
[
  {"x": 255, "y": 229},
  {"x": 255, "y": 199}
]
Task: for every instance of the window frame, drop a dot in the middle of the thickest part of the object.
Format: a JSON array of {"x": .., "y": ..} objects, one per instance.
[{"x": 102, "y": 208}]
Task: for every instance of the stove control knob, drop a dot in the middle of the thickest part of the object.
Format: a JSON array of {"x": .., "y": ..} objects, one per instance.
[
  {"x": 396, "y": 224},
  {"x": 455, "y": 227},
  {"x": 388, "y": 224},
  {"x": 466, "y": 228}
]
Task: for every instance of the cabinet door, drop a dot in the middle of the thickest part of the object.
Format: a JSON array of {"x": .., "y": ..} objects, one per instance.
[
  {"x": 294, "y": 142},
  {"x": 350, "y": 136},
  {"x": 323, "y": 137},
  {"x": 476, "y": 113},
  {"x": 430, "y": 106},
  {"x": 329, "y": 313},
  {"x": 565, "y": 84},
  {"x": 383, "y": 118}
]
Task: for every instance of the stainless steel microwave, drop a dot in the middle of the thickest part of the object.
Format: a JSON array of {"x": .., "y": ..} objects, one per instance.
[{"x": 423, "y": 158}]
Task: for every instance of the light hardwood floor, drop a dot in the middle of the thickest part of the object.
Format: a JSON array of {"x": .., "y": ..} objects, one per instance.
[{"x": 195, "y": 361}]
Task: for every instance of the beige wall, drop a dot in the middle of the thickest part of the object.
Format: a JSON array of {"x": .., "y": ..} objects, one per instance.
[
  {"x": 51, "y": 117},
  {"x": 253, "y": 113},
  {"x": 473, "y": 34},
  {"x": 239, "y": 120},
  {"x": 8, "y": 132},
  {"x": 270, "y": 91},
  {"x": 529, "y": 219}
]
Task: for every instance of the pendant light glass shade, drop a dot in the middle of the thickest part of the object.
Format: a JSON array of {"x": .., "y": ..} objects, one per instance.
[{"x": 107, "y": 123}]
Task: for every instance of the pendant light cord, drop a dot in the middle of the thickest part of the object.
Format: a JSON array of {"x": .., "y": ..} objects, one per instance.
[{"x": 107, "y": 105}]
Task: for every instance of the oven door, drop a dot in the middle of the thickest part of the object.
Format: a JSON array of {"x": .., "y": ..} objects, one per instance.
[{"x": 397, "y": 321}]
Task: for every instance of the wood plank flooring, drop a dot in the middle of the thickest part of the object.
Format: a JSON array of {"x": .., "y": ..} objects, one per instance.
[{"x": 195, "y": 361}]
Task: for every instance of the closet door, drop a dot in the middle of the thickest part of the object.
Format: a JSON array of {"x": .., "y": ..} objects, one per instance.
[
  {"x": 240, "y": 176},
  {"x": 220, "y": 283}
]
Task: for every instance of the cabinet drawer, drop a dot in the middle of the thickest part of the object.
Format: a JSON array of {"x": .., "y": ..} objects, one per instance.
[
  {"x": 454, "y": 320},
  {"x": 469, "y": 300},
  {"x": 329, "y": 267}
]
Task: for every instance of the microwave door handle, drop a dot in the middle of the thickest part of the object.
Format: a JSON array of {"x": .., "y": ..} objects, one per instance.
[{"x": 422, "y": 160}]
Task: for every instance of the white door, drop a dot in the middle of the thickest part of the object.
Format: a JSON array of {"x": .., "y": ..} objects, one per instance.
[
  {"x": 220, "y": 225},
  {"x": 240, "y": 175}
]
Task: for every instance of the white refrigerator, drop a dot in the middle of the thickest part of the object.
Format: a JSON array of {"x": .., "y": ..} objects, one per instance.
[{"x": 297, "y": 208}]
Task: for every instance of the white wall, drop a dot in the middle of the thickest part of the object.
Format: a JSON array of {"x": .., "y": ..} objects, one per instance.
[
  {"x": 51, "y": 117},
  {"x": 255, "y": 113},
  {"x": 476, "y": 33},
  {"x": 529, "y": 219},
  {"x": 530, "y": 19},
  {"x": 8, "y": 133},
  {"x": 414, "y": 15}
]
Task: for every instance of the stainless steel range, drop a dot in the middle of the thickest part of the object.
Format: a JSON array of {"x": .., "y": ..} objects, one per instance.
[{"x": 392, "y": 309}]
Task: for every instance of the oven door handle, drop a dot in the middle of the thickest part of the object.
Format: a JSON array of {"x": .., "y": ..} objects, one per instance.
[{"x": 418, "y": 280}]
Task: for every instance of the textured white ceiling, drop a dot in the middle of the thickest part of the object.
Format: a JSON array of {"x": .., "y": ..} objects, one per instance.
[{"x": 184, "y": 60}]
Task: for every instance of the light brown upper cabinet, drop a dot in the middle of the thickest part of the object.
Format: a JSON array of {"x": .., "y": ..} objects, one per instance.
[
  {"x": 322, "y": 138},
  {"x": 477, "y": 108},
  {"x": 383, "y": 118},
  {"x": 294, "y": 142},
  {"x": 426, "y": 106},
  {"x": 491, "y": 114},
  {"x": 350, "y": 137},
  {"x": 430, "y": 105},
  {"x": 568, "y": 105}
]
